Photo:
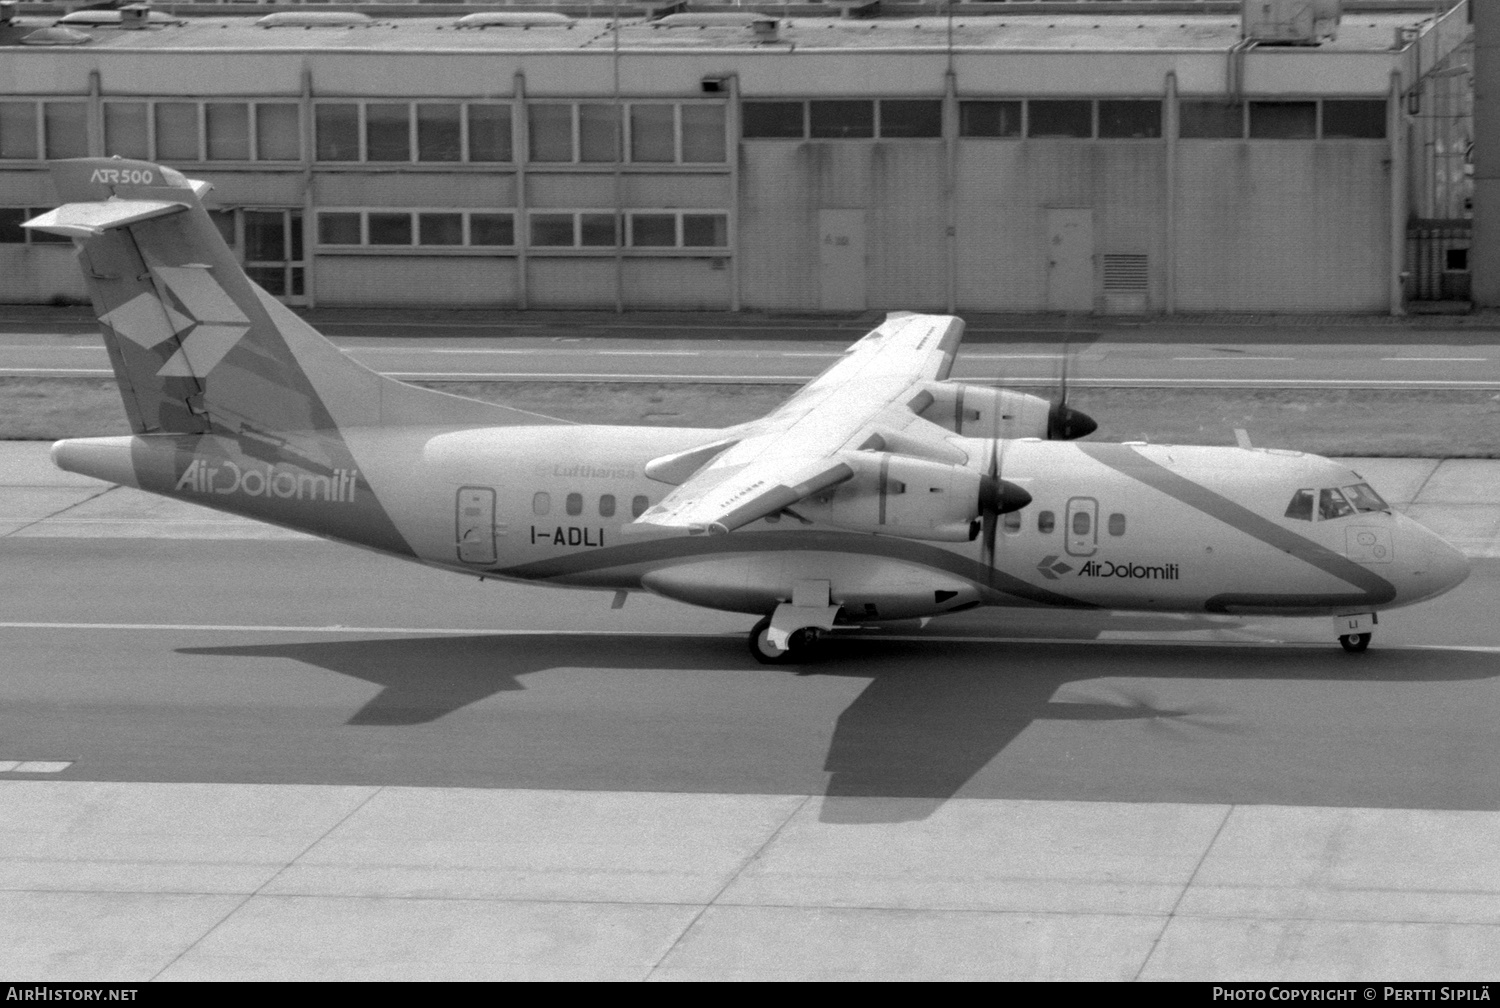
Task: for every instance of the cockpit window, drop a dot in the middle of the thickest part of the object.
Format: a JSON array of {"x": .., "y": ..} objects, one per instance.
[
  {"x": 1301, "y": 505},
  {"x": 1331, "y": 504},
  {"x": 1364, "y": 498}
]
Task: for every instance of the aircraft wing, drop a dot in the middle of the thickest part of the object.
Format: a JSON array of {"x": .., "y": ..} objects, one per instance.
[{"x": 802, "y": 447}]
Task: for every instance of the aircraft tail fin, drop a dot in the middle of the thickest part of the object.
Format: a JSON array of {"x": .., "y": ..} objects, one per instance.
[{"x": 196, "y": 346}]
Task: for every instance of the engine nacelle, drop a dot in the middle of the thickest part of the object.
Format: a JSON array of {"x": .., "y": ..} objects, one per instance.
[
  {"x": 901, "y": 495},
  {"x": 982, "y": 412}
]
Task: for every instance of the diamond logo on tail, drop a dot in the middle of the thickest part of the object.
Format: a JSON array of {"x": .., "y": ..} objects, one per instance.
[
  {"x": 1051, "y": 568},
  {"x": 212, "y": 327}
]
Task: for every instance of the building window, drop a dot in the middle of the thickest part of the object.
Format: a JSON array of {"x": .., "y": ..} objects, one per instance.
[
  {"x": 338, "y": 132},
  {"x": 658, "y": 133},
  {"x": 278, "y": 131},
  {"x": 598, "y": 133},
  {"x": 1130, "y": 120},
  {"x": 1211, "y": 120},
  {"x": 774, "y": 120},
  {"x": 551, "y": 132},
  {"x": 1283, "y": 120},
  {"x": 653, "y": 133},
  {"x": 18, "y": 130},
  {"x": 700, "y": 230},
  {"x": 702, "y": 133},
  {"x": 653, "y": 230},
  {"x": 840, "y": 119},
  {"x": 12, "y": 233},
  {"x": 989, "y": 119},
  {"x": 911, "y": 119},
  {"x": 424, "y": 228},
  {"x": 440, "y": 132},
  {"x": 1353, "y": 120},
  {"x": 553, "y": 230},
  {"x": 127, "y": 132},
  {"x": 440, "y": 229},
  {"x": 407, "y": 132},
  {"x": 1055, "y": 119},
  {"x": 227, "y": 125}
]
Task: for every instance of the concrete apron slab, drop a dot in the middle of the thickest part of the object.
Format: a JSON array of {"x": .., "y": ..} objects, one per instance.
[{"x": 137, "y": 882}]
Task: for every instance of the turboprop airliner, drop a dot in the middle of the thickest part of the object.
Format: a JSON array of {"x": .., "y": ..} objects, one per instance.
[{"x": 880, "y": 491}]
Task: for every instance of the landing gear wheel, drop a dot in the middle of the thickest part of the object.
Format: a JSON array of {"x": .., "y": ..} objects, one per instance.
[
  {"x": 1354, "y": 643},
  {"x": 799, "y": 643}
]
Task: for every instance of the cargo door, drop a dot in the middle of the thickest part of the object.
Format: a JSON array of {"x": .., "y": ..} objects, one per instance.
[
  {"x": 1070, "y": 259},
  {"x": 841, "y": 259},
  {"x": 476, "y": 525}
]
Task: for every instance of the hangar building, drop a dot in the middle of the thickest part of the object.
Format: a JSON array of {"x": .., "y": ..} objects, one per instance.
[{"x": 1082, "y": 157}]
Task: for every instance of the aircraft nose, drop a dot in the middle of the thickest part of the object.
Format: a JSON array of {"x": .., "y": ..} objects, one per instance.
[
  {"x": 1446, "y": 565},
  {"x": 1441, "y": 566}
]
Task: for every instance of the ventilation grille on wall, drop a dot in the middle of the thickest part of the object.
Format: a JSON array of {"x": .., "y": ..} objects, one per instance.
[{"x": 1127, "y": 272}]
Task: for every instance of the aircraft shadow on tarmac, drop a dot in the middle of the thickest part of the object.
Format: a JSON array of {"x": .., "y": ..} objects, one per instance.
[{"x": 930, "y": 717}]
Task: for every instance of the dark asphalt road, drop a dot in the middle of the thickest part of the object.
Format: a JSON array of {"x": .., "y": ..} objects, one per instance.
[{"x": 641, "y": 699}]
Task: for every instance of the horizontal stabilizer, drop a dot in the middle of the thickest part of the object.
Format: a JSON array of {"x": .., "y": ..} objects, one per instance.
[{"x": 88, "y": 220}]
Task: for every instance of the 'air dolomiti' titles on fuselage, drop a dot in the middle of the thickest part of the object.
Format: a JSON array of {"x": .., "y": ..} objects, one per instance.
[
  {"x": 228, "y": 477},
  {"x": 1108, "y": 568}
]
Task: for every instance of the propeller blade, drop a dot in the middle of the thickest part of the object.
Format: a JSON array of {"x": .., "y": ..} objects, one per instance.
[{"x": 1063, "y": 422}]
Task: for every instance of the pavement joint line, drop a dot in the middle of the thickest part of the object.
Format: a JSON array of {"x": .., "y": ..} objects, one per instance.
[
  {"x": 750, "y": 859},
  {"x": 1172, "y": 913},
  {"x": 90, "y": 497},
  {"x": 258, "y": 889}
]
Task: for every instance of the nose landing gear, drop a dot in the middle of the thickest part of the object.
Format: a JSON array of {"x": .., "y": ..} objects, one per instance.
[
  {"x": 1354, "y": 630},
  {"x": 1355, "y": 642}
]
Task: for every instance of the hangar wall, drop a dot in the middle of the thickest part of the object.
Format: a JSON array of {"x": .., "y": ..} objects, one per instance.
[{"x": 938, "y": 218}]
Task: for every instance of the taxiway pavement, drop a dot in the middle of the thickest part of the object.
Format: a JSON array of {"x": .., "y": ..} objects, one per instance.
[{"x": 229, "y": 751}]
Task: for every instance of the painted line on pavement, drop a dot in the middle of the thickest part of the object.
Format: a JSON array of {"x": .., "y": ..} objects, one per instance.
[
  {"x": 35, "y": 766},
  {"x": 1403, "y": 359},
  {"x": 727, "y": 635},
  {"x": 1234, "y": 360}
]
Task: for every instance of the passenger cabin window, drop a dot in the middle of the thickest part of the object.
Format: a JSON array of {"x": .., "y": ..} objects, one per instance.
[
  {"x": 1011, "y": 522},
  {"x": 541, "y": 503},
  {"x": 1301, "y": 506},
  {"x": 1117, "y": 524},
  {"x": 638, "y": 505},
  {"x": 607, "y": 506},
  {"x": 575, "y": 504},
  {"x": 1081, "y": 523},
  {"x": 1046, "y": 521}
]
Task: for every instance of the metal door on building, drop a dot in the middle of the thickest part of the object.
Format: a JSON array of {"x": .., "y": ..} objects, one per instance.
[
  {"x": 841, "y": 259},
  {"x": 269, "y": 245},
  {"x": 1070, "y": 259},
  {"x": 476, "y": 525}
]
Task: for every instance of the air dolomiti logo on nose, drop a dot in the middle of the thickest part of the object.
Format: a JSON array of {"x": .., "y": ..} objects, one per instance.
[{"x": 268, "y": 481}]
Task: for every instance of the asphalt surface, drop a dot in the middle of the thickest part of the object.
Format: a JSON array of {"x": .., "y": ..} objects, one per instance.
[
  {"x": 202, "y": 672},
  {"x": 727, "y": 348}
]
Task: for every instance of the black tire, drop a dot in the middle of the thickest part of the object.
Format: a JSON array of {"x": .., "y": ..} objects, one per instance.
[
  {"x": 1355, "y": 643},
  {"x": 761, "y": 648}
]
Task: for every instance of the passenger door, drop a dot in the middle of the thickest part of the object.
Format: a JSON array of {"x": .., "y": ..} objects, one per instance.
[{"x": 1082, "y": 528}]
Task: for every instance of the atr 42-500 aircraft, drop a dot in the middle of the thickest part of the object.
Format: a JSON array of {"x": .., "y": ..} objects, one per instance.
[{"x": 881, "y": 491}]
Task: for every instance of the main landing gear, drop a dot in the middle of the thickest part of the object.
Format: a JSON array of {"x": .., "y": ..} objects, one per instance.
[
  {"x": 787, "y": 635},
  {"x": 799, "y": 644}
]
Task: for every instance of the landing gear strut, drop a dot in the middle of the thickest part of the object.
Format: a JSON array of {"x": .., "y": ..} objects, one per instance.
[
  {"x": 799, "y": 644},
  {"x": 1355, "y": 642}
]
